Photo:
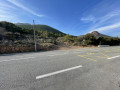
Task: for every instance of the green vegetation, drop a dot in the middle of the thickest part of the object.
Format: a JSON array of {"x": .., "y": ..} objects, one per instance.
[
  {"x": 13, "y": 37},
  {"x": 108, "y": 41},
  {"x": 38, "y": 27},
  {"x": 42, "y": 31},
  {"x": 19, "y": 38},
  {"x": 92, "y": 40}
]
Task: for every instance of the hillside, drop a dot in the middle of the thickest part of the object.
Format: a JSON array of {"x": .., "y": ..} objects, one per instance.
[
  {"x": 97, "y": 34},
  {"x": 38, "y": 27},
  {"x": 22, "y": 30}
]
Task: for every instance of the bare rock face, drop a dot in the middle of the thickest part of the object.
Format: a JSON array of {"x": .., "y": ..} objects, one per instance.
[{"x": 96, "y": 33}]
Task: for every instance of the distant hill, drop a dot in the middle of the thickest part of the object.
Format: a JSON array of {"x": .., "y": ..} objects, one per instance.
[
  {"x": 97, "y": 34},
  {"x": 38, "y": 27}
]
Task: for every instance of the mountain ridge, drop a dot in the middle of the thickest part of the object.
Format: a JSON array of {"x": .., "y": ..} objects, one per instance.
[
  {"x": 24, "y": 30},
  {"x": 41, "y": 27},
  {"x": 22, "y": 23}
]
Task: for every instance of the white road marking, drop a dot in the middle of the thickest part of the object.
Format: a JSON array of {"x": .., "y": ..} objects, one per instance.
[
  {"x": 113, "y": 57},
  {"x": 57, "y": 54},
  {"x": 57, "y": 72},
  {"x": 79, "y": 52},
  {"x": 16, "y": 59}
]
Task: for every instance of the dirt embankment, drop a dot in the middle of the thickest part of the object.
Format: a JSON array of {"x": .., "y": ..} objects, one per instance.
[
  {"x": 19, "y": 49},
  {"x": 42, "y": 47}
]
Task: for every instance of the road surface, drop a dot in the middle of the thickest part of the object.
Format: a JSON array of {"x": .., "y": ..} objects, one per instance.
[{"x": 75, "y": 69}]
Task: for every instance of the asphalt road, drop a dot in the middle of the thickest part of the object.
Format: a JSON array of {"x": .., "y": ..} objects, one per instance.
[{"x": 75, "y": 69}]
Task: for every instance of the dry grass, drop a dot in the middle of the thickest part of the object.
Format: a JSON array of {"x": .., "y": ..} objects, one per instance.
[
  {"x": 73, "y": 47},
  {"x": 17, "y": 49}
]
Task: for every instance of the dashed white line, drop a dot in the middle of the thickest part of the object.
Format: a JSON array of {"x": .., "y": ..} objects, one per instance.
[
  {"x": 57, "y": 72},
  {"x": 16, "y": 59},
  {"x": 113, "y": 57}
]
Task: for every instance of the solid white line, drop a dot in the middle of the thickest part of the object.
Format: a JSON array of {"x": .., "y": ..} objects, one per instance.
[
  {"x": 113, "y": 57},
  {"x": 16, "y": 59},
  {"x": 57, "y": 54},
  {"x": 57, "y": 72}
]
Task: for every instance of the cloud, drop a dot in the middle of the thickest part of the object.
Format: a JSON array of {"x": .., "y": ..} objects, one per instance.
[
  {"x": 6, "y": 13},
  {"x": 106, "y": 18},
  {"x": 100, "y": 20},
  {"x": 5, "y": 5},
  {"x": 106, "y": 22},
  {"x": 106, "y": 28},
  {"x": 88, "y": 19},
  {"x": 25, "y": 8}
]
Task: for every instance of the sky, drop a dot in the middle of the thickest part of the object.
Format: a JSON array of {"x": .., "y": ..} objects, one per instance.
[{"x": 74, "y": 17}]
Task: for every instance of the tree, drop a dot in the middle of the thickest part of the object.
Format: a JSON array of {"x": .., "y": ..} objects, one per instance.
[
  {"x": 68, "y": 38},
  {"x": 90, "y": 39}
]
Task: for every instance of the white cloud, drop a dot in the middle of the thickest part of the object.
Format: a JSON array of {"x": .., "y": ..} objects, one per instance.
[
  {"x": 5, "y": 5},
  {"x": 100, "y": 20},
  {"x": 106, "y": 28},
  {"x": 105, "y": 17},
  {"x": 88, "y": 19},
  {"x": 109, "y": 21},
  {"x": 103, "y": 20},
  {"x": 6, "y": 13},
  {"x": 25, "y": 8}
]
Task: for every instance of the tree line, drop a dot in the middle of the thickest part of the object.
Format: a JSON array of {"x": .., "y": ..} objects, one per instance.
[{"x": 90, "y": 39}]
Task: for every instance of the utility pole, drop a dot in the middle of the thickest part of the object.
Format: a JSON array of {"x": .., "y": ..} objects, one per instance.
[{"x": 34, "y": 36}]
